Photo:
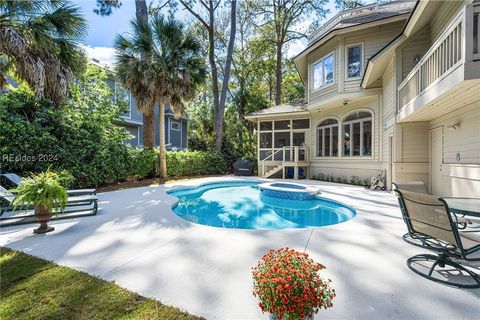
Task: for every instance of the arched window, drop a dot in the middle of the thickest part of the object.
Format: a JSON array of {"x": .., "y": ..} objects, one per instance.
[
  {"x": 357, "y": 134},
  {"x": 327, "y": 138}
]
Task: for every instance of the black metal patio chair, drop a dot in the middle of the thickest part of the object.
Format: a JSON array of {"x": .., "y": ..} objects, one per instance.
[{"x": 431, "y": 224}]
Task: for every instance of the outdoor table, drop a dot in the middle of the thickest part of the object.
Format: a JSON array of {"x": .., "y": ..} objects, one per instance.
[{"x": 466, "y": 206}]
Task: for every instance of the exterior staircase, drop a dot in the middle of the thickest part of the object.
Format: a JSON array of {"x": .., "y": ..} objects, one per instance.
[
  {"x": 288, "y": 156},
  {"x": 272, "y": 171}
]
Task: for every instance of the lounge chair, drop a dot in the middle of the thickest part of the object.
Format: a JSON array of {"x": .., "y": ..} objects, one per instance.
[
  {"x": 429, "y": 220},
  {"x": 16, "y": 180},
  {"x": 77, "y": 206}
]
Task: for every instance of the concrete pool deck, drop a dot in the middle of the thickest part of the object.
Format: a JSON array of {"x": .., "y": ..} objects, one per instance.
[{"x": 137, "y": 241}]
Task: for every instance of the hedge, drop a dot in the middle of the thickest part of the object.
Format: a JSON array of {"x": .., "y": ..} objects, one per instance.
[{"x": 179, "y": 163}]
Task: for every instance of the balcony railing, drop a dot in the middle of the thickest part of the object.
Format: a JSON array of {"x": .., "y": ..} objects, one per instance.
[{"x": 442, "y": 57}]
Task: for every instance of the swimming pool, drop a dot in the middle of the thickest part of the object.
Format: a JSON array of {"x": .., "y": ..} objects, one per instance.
[{"x": 241, "y": 205}]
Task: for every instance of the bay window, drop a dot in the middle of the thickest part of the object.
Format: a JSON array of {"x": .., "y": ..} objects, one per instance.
[
  {"x": 357, "y": 134},
  {"x": 323, "y": 71}
]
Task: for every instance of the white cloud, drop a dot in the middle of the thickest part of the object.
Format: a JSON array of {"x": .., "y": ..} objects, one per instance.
[{"x": 105, "y": 55}]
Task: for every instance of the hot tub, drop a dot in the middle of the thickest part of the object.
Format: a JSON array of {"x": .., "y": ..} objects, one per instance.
[{"x": 287, "y": 190}]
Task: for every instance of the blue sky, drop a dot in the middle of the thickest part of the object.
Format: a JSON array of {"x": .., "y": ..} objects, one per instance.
[{"x": 102, "y": 30}]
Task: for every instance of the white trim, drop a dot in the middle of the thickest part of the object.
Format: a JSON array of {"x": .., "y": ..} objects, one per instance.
[
  {"x": 362, "y": 62},
  {"x": 138, "y": 135},
  {"x": 176, "y": 122}
]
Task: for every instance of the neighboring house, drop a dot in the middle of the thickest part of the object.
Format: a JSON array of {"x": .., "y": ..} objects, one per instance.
[
  {"x": 392, "y": 87},
  {"x": 175, "y": 129}
]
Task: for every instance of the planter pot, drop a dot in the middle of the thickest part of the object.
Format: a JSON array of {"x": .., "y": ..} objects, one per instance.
[
  {"x": 273, "y": 317},
  {"x": 42, "y": 215}
]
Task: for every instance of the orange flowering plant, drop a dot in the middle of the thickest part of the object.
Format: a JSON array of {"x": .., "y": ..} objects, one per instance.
[{"x": 288, "y": 285}]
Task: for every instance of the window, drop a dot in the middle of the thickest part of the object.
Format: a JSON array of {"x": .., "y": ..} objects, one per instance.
[
  {"x": 327, "y": 138},
  {"x": 354, "y": 61},
  {"x": 323, "y": 72},
  {"x": 123, "y": 94},
  {"x": 174, "y": 125},
  {"x": 328, "y": 70},
  {"x": 357, "y": 134}
]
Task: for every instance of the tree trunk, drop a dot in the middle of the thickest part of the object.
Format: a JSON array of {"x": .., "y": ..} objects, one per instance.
[
  {"x": 148, "y": 131},
  {"x": 220, "y": 112},
  {"x": 278, "y": 75},
  {"x": 141, "y": 13},
  {"x": 163, "y": 151}
]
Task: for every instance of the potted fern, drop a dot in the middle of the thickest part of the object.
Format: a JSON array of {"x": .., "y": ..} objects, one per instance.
[{"x": 47, "y": 195}]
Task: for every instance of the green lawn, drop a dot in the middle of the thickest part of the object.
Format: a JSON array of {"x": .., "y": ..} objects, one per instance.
[{"x": 32, "y": 288}]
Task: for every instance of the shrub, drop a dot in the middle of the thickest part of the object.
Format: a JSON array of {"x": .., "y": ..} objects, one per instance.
[
  {"x": 81, "y": 136},
  {"x": 343, "y": 179},
  {"x": 142, "y": 162},
  {"x": 288, "y": 285},
  {"x": 187, "y": 163},
  {"x": 179, "y": 163}
]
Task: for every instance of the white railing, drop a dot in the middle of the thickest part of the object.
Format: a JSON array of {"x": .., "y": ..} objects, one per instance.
[
  {"x": 442, "y": 57},
  {"x": 286, "y": 154},
  {"x": 355, "y": 12}
]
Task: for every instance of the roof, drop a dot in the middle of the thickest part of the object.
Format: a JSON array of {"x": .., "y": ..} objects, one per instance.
[
  {"x": 362, "y": 15},
  {"x": 353, "y": 19},
  {"x": 291, "y": 107}
]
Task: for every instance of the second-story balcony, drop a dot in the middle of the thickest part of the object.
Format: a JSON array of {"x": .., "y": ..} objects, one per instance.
[{"x": 448, "y": 75}]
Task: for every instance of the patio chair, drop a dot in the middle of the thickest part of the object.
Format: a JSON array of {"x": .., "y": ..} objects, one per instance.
[
  {"x": 421, "y": 187},
  {"x": 16, "y": 180},
  {"x": 415, "y": 186},
  {"x": 80, "y": 205},
  {"x": 429, "y": 220}
]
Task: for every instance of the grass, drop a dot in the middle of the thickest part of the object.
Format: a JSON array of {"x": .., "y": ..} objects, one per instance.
[{"x": 33, "y": 288}]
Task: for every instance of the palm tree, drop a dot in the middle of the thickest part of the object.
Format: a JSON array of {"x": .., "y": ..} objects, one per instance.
[
  {"x": 178, "y": 70},
  {"x": 132, "y": 68},
  {"x": 38, "y": 42},
  {"x": 160, "y": 62}
]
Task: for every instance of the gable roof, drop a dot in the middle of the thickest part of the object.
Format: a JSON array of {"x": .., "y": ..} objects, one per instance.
[
  {"x": 358, "y": 18},
  {"x": 298, "y": 106}
]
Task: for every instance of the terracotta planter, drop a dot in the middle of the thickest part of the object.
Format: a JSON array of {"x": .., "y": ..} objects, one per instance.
[{"x": 42, "y": 215}]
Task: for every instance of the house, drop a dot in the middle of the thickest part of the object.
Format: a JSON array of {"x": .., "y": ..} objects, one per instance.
[
  {"x": 176, "y": 130},
  {"x": 393, "y": 87}
]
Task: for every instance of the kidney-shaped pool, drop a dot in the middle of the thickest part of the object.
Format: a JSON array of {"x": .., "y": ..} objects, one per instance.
[{"x": 242, "y": 205}]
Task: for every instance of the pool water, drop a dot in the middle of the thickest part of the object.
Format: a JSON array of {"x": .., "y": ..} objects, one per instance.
[{"x": 240, "y": 205}]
